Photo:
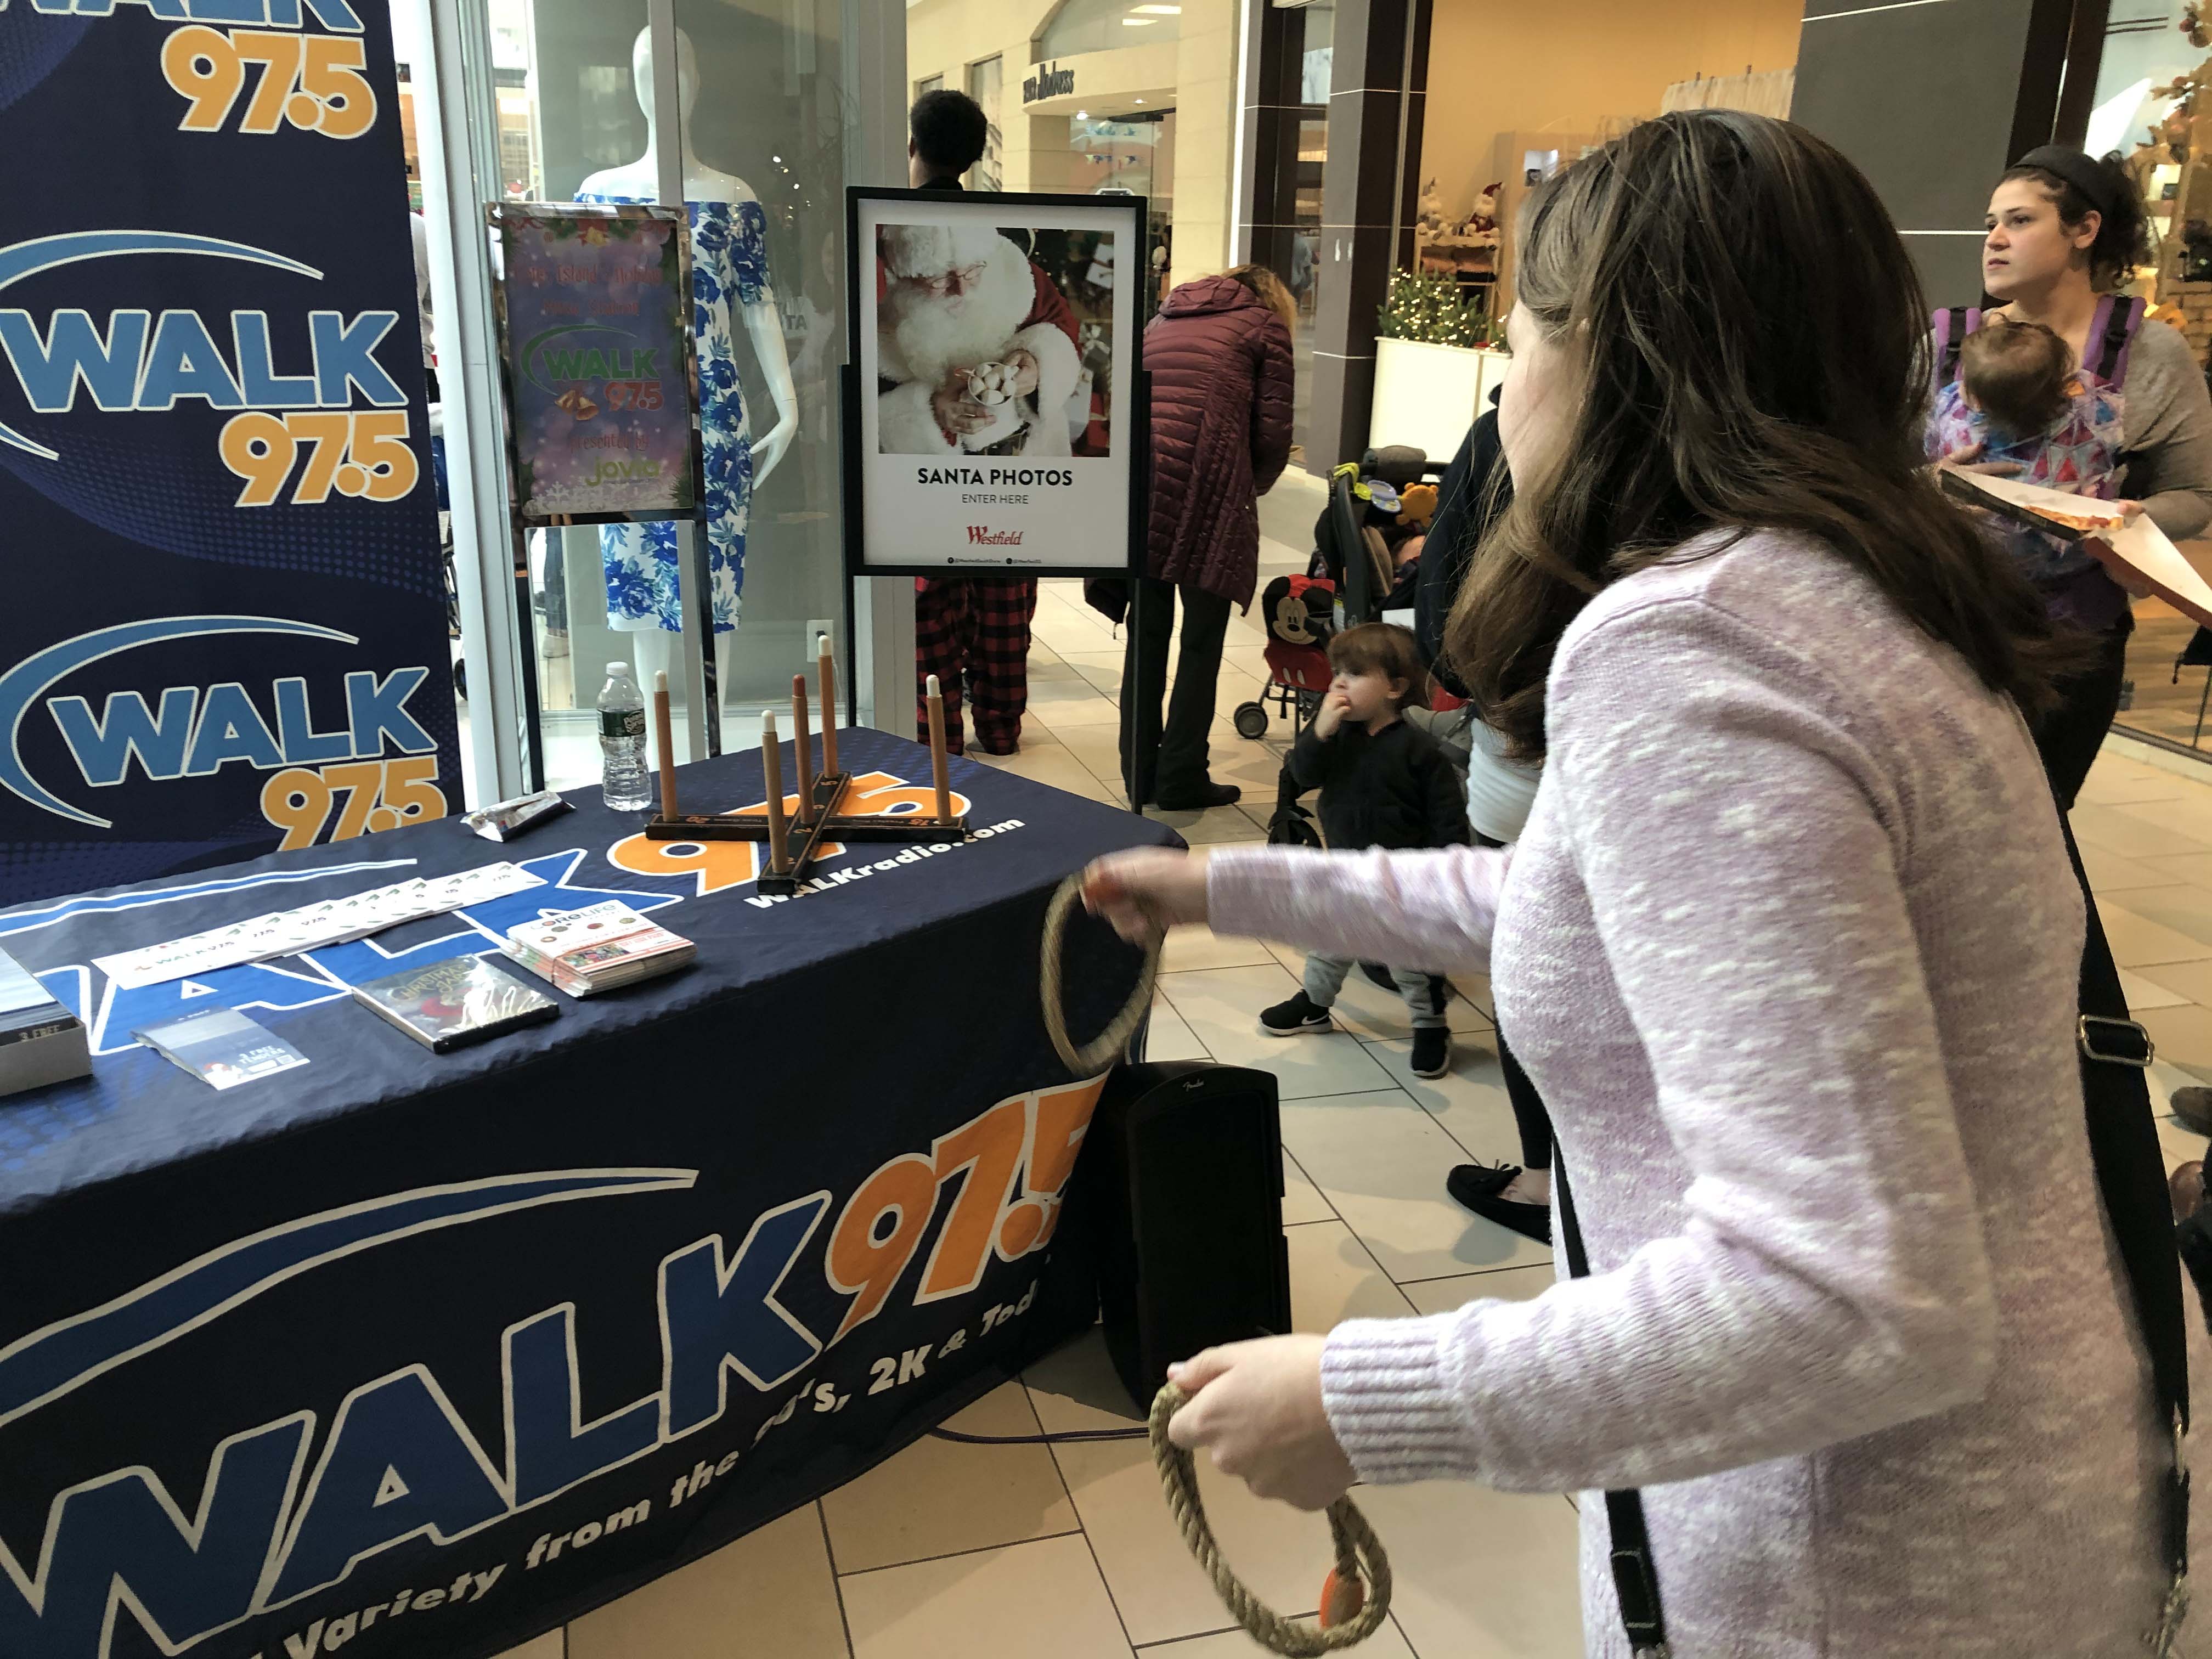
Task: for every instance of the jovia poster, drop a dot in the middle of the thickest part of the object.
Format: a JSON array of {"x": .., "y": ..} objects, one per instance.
[{"x": 222, "y": 618}]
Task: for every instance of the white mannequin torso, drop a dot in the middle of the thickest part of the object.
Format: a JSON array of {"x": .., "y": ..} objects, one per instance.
[
  {"x": 640, "y": 181},
  {"x": 703, "y": 187}
]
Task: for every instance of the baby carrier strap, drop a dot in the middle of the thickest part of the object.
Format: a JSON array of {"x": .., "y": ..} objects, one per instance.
[
  {"x": 2113, "y": 335},
  {"x": 1950, "y": 325}
]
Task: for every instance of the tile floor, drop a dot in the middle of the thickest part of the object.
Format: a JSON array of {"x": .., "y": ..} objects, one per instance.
[{"x": 949, "y": 1552}]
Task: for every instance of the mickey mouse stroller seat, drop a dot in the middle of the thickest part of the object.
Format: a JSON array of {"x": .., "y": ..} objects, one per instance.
[{"x": 1300, "y": 614}]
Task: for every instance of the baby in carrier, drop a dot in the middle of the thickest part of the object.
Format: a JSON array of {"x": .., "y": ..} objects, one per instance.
[{"x": 2019, "y": 402}]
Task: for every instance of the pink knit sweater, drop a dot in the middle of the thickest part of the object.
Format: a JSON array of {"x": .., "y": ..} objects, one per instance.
[{"x": 1789, "y": 949}]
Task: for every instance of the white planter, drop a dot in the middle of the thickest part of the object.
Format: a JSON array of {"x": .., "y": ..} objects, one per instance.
[{"x": 1428, "y": 395}]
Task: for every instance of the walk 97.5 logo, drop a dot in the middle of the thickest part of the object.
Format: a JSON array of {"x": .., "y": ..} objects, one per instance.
[
  {"x": 322, "y": 745},
  {"x": 292, "y": 1509}
]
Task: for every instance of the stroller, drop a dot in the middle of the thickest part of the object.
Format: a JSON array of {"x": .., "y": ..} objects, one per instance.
[
  {"x": 1353, "y": 577},
  {"x": 1300, "y": 616}
]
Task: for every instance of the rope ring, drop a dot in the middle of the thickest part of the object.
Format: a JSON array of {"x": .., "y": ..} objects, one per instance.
[
  {"x": 1355, "y": 1598},
  {"x": 1102, "y": 1050}
]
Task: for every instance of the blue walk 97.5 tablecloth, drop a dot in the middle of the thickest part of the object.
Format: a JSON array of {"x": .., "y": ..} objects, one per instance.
[{"x": 419, "y": 1354}]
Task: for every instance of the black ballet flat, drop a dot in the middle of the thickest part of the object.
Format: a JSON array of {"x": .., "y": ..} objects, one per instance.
[{"x": 1468, "y": 1181}]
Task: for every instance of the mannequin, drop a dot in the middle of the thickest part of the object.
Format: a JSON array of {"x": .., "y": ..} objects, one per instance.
[{"x": 730, "y": 271}]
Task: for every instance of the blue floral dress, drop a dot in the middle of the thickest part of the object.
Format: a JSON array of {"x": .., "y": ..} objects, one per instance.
[{"x": 729, "y": 265}]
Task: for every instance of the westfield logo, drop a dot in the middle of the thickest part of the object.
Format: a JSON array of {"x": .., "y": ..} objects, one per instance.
[{"x": 979, "y": 536}]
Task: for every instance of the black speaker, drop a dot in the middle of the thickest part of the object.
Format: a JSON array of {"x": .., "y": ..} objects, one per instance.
[{"x": 1184, "y": 1167}]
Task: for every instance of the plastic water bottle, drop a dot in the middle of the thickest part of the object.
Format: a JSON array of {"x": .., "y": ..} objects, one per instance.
[{"x": 625, "y": 785}]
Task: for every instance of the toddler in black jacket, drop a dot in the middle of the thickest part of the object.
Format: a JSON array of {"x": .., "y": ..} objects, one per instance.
[{"x": 1383, "y": 783}]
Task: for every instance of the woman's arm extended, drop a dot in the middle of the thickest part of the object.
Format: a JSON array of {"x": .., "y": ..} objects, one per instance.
[{"x": 1430, "y": 910}]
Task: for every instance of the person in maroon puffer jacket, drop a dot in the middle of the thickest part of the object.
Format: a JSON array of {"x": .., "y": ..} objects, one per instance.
[{"x": 1219, "y": 355}]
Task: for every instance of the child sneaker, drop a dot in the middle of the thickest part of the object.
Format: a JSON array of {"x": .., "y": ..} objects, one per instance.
[
  {"x": 1290, "y": 1018},
  {"x": 1431, "y": 1051}
]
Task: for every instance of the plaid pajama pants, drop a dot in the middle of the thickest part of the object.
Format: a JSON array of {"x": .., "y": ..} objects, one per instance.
[{"x": 975, "y": 631}]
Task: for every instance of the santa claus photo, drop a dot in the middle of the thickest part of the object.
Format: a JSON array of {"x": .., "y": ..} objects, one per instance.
[{"x": 979, "y": 348}]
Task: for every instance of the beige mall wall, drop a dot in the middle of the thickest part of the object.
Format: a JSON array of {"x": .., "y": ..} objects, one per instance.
[
  {"x": 943, "y": 37},
  {"x": 1502, "y": 66}
]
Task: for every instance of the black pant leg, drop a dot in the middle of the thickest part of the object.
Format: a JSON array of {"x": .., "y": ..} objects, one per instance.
[
  {"x": 2069, "y": 736},
  {"x": 1152, "y": 618},
  {"x": 2194, "y": 1236},
  {"x": 1528, "y": 1114},
  {"x": 1190, "y": 711}
]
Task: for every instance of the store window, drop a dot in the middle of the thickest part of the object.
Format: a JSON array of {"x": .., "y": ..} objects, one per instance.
[
  {"x": 1318, "y": 59},
  {"x": 985, "y": 82},
  {"x": 1105, "y": 26},
  {"x": 2150, "y": 46},
  {"x": 927, "y": 85},
  {"x": 1307, "y": 39},
  {"x": 1131, "y": 157},
  {"x": 1083, "y": 97},
  {"x": 758, "y": 140}
]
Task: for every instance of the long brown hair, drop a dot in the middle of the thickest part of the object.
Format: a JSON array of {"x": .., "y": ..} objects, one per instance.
[
  {"x": 1269, "y": 287},
  {"x": 1749, "y": 337}
]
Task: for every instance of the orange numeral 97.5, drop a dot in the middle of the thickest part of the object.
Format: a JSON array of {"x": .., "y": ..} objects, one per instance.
[
  {"x": 1032, "y": 1137},
  {"x": 380, "y": 795},
  {"x": 314, "y": 81},
  {"x": 365, "y": 453}
]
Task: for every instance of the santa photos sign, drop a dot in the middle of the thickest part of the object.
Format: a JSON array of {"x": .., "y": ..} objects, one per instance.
[{"x": 995, "y": 426}]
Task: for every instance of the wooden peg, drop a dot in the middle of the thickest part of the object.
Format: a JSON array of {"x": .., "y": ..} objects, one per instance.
[
  {"x": 936, "y": 762},
  {"x": 779, "y": 842},
  {"x": 829, "y": 676},
  {"x": 802, "y": 750},
  {"x": 662, "y": 736}
]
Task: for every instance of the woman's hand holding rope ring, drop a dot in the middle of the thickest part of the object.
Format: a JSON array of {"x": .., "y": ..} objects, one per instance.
[
  {"x": 1146, "y": 891},
  {"x": 1258, "y": 1406}
]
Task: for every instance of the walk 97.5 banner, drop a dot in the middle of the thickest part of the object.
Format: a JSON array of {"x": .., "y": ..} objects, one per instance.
[{"x": 222, "y": 610}]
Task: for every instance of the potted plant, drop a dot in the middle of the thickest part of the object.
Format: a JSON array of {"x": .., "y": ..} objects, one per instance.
[{"x": 1437, "y": 354}]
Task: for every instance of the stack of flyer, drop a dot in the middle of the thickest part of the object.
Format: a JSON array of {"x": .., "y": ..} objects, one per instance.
[
  {"x": 312, "y": 926},
  {"x": 40, "y": 1040},
  {"x": 598, "y": 949}
]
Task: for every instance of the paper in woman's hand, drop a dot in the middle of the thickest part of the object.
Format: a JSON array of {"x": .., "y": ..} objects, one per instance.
[
  {"x": 2136, "y": 551},
  {"x": 2052, "y": 511},
  {"x": 2140, "y": 549}
]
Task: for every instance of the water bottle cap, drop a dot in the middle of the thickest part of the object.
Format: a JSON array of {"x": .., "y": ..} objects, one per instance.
[{"x": 615, "y": 670}]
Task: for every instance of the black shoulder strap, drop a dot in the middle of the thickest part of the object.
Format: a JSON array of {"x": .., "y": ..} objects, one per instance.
[
  {"x": 2130, "y": 1180},
  {"x": 2121, "y": 313},
  {"x": 1955, "y": 336},
  {"x": 1635, "y": 1578}
]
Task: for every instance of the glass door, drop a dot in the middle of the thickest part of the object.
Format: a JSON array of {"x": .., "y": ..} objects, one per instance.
[{"x": 748, "y": 128}]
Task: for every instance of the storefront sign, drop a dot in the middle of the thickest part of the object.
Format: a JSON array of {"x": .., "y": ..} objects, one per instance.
[
  {"x": 1050, "y": 81},
  {"x": 999, "y": 335},
  {"x": 596, "y": 342},
  {"x": 225, "y": 619}
]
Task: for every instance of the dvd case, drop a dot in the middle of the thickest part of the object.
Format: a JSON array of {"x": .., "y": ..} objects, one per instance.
[
  {"x": 221, "y": 1046},
  {"x": 448, "y": 1005}
]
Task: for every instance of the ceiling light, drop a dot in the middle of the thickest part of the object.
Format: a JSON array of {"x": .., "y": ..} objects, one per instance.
[
  {"x": 1083, "y": 115},
  {"x": 1139, "y": 22},
  {"x": 1159, "y": 11},
  {"x": 1141, "y": 100}
]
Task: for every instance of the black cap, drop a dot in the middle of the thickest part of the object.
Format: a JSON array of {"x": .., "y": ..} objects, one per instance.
[{"x": 2077, "y": 169}]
